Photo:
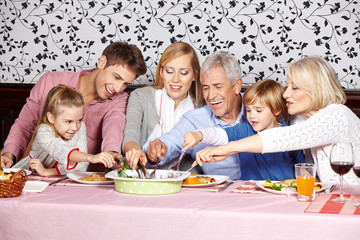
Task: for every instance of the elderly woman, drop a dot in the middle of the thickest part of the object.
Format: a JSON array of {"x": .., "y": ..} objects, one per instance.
[
  {"x": 313, "y": 91},
  {"x": 153, "y": 111}
]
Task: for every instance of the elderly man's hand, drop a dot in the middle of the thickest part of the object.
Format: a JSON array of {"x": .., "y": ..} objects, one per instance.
[{"x": 156, "y": 151}]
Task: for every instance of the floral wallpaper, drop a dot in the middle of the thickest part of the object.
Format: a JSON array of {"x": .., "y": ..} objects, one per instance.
[{"x": 265, "y": 35}]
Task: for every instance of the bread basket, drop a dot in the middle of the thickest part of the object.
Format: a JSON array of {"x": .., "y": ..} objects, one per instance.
[{"x": 14, "y": 186}]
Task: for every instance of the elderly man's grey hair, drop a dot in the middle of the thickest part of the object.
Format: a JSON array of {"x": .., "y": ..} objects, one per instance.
[{"x": 225, "y": 60}]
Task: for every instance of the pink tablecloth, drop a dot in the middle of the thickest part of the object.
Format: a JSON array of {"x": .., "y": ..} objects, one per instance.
[{"x": 72, "y": 212}]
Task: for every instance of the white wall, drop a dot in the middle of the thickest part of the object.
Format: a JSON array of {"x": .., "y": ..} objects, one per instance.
[{"x": 64, "y": 35}]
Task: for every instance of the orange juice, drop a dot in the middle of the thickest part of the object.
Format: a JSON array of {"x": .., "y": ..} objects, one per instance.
[{"x": 305, "y": 185}]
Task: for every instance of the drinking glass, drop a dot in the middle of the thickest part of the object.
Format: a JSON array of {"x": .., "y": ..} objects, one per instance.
[
  {"x": 341, "y": 160},
  {"x": 357, "y": 173},
  {"x": 305, "y": 179}
]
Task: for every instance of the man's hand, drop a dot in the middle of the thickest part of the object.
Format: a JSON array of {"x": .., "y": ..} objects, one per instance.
[
  {"x": 7, "y": 160},
  {"x": 156, "y": 151}
]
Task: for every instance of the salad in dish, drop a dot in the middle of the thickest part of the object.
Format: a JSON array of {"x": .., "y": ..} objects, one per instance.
[{"x": 286, "y": 185}]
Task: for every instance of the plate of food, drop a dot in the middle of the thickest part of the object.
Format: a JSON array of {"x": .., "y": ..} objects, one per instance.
[
  {"x": 14, "y": 170},
  {"x": 289, "y": 186},
  {"x": 197, "y": 180},
  {"x": 93, "y": 178}
]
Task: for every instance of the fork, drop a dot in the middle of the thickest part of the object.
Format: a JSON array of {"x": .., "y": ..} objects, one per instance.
[{"x": 152, "y": 175}]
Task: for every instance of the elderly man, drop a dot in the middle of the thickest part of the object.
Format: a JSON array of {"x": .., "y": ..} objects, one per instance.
[{"x": 221, "y": 81}]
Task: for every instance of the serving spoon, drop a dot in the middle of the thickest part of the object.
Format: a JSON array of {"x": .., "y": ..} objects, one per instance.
[{"x": 152, "y": 175}]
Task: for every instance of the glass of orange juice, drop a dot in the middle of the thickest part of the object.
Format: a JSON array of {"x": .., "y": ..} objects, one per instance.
[{"x": 305, "y": 179}]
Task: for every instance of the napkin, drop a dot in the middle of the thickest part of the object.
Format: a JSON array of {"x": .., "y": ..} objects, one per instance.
[
  {"x": 323, "y": 204},
  {"x": 248, "y": 187}
]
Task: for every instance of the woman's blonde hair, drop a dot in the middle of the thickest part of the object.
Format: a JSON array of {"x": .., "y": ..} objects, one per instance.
[
  {"x": 317, "y": 78},
  {"x": 176, "y": 50},
  {"x": 59, "y": 95},
  {"x": 269, "y": 93}
]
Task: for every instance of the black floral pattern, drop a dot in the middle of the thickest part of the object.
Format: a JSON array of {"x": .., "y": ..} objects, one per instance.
[{"x": 69, "y": 35}]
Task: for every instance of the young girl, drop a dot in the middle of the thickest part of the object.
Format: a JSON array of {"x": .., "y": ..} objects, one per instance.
[
  {"x": 58, "y": 144},
  {"x": 265, "y": 109}
]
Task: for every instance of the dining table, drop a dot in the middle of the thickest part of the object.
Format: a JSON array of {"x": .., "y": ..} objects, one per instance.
[{"x": 84, "y": 211}]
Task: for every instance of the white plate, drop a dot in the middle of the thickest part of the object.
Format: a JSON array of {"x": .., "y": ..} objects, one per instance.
[
  {"x": 14, "y": 170},
  {"x": 35, "y": 186},
  {"x": 76, "y": 175},
  {"x": 326, "y": 185},
  {"x": 218, "y": 180}
]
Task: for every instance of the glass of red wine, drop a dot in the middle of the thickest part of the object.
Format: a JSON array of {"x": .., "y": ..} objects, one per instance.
[
  {"x": 357, "y": 173},
  {"x": 341, "y": 160}
]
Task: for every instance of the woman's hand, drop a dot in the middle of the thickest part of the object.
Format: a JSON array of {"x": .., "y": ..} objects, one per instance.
[
  {"x": 134, "y": 156},
  {"x": 191, "y": 139},
  {"x": 104, "y": 157},
  {"x": 212, "y": 154}
]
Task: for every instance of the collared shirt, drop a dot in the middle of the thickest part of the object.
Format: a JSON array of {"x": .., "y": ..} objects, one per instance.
[
  {"x": 193, "y": 121},
  {"x": 104, "y": 119}
]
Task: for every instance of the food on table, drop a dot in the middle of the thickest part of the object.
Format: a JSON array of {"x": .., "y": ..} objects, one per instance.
[
  {"x": 286, "y": 185},
  {"x": 95, "y": 178},
  {"x": 194, "y": 179}
]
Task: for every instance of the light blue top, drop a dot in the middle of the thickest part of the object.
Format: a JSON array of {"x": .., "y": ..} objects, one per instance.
[{"x": 195, "y": 120}]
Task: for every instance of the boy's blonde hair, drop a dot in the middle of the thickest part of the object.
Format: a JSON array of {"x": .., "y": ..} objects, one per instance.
[
  {"x": 269, "y": 93},
  {"x": 60, "y": 95},
  {"x": 317, "y": 78}
]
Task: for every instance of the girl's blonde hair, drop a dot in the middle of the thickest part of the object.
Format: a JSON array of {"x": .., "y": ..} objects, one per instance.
[
  {"x": 269, "y": 93},
  {"x": 176, "y": 50},
  {"x": 317, "y": 78},
  {"x": 60, "y": 95}
]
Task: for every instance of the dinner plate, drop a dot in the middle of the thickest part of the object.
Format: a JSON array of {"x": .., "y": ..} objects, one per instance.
[
  {"x": 14, "y": 170},
  {"x": 218, "y": 180},
  {"x": 326, "y": 185},
  {"x": 76, "y": 175},
  {"x": 35, "y": 186}
]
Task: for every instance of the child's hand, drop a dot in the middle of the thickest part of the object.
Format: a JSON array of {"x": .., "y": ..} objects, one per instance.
[
  {"x": 191, "y": 139},
  {"x": 104, "y": 157},
  {"x": 37, "y": 165}
]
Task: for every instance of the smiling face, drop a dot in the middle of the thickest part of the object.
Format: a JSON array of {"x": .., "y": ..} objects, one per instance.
[
  {"x": 178, "y": 76},
  {"x": 223, "y": 99},
  {"x": 260, "y": 116},
  {"x": 297, "y": 100},
  {"x": 67, "y": 121},
  {"x": 112, "y": 79}
]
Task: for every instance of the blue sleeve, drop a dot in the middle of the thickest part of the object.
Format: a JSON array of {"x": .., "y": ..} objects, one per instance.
[
  {"x": 174, "y": 139},
  {"x": 239, "y": 131}
]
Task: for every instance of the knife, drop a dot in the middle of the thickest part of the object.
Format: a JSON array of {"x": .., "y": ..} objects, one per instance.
[
  {"x": 59, "y": 180},
  {"x": 224, "y": 187}
]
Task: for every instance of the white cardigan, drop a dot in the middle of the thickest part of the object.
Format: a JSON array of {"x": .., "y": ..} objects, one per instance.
[{"x": 333, "y": 124}]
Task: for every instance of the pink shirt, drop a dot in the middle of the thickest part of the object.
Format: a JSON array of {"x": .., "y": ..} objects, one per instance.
[{"x": 104, "y": 119}]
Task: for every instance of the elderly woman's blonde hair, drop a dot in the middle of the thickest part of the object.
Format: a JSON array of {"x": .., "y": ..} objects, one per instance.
[{"x": 317, "y": 78}]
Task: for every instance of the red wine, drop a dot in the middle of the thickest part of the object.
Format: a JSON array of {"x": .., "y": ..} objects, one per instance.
[
  {"x": 357, "y": 171},
  {"x": 341, "y": 167}
]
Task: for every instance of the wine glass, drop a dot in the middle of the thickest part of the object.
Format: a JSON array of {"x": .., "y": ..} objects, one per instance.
[
  {"x": 357, "y": 173},
  {"x": 341, "y": 160}
]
